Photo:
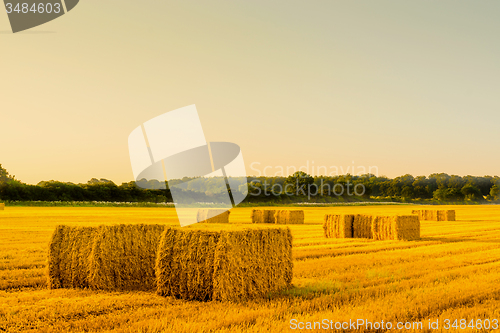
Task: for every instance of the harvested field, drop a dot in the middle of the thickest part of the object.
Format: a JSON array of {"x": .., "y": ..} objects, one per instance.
[{"x": 450, "y": 273}]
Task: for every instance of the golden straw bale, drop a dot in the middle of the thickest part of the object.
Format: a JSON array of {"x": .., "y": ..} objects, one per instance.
[
  {"x": 123, "y": 257},
  {"x": 398, "y": 227},
  {"x": 406, "y": 227},
  {"x": 289, "y": 217},
  {"x": 382, "y": 227},
  {"x": 362, "y": 226},
  {"x": 185, "y": 264},
  {"x": 257, "y": 216},
  {"x": 252, "y": 263},
  {"x": 213, "y": 215},
  {"x": 68, "y": 257},
  {"x": 226, "y": 265},
  {"x": 338, "y": 226},
  {"x": 450, "y": 215},
  {"x": 435, "y": 215},
  {"x": 263, "y": 216},
  {"x": 117, "y": 257}
]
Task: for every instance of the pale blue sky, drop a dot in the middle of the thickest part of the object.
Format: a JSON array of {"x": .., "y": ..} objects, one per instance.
[{"x": 407, "y": 86}]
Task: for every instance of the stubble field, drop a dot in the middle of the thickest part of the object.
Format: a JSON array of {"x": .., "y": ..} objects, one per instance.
[{"x": 453, "y": 272}]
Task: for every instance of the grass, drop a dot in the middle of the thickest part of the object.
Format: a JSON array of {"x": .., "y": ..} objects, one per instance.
[{"x": 453, "y": 272}]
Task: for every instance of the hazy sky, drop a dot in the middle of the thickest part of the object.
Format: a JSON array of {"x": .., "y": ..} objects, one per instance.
[{"x": 406, "y": 86}]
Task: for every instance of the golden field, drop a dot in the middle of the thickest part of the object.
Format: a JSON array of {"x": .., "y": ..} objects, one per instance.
[{"x": 453, "y": 272}]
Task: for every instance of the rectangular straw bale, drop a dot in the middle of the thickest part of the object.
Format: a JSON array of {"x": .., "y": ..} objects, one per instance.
[
  {"x": 338, "y": 226},
  {"x": 406, "y": 227},
  {"x": 382, "y": 227},
  {"x": 2, "y": 206},
  {"x": 445, "y": 215},
  {"x": 227, "y": 265},
  {"x": 185, "y": 264},
  {"x": 123, "y": 257},
  {"x": 435, "y": 215},
  {"x": 257, "y": 216},
  {"x": 252, "y": 263},
  {"x": 362, "y": 226},
  {"x": 263, "y": 216},
  {"x": 106, "y": 257},
  {"x": 289, "y": 217},
  {"x": 213, "y": 215},
  {"x": 68, "y": 257},
  {"x": 399, "y": 227}
]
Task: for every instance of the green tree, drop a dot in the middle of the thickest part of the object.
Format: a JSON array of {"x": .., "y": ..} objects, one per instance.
[
  {"x": 298, "y": 183},
  {"x": 494, "y": 192},
  {"x": 471, "y": 192},
  {"x": 4, "y": 175}
]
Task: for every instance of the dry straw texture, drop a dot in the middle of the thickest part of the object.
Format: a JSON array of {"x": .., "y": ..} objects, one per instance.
[
  {"x": 406, "y": 227},
  {"x": 362, "y": 226},
  {"x": 119, "y": 257},
  {"x": 123, "y": 257},
  {"x": 338, "y": 226},
  {"x": 289, "y": 217},
  {"x": 68, "y": 257},
  {"x": 2, "y": 206},
  {"x": 435, "y": 215},
  {"x": 263, "y": 216},
  {"x": 213, "y": 215},
  {"x": 398, "y": 227},
  {"x": 184, "y": 264},
  {"x": 225, "y": 265}
]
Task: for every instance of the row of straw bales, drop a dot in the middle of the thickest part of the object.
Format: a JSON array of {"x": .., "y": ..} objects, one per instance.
[
  {"x": 226, "y": 265},
  {"x": 213, "y": 215},
  {"x": 397, "y": 227},
  {"x": 119, "y": 257},
  {"x": 435, "y": 215},
  {"x": 285, "y": 216},
  {"x": 195, "y": 264}
]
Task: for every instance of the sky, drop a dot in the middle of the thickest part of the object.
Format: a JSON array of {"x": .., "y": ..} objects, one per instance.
[{"x": 398, "y": 86}]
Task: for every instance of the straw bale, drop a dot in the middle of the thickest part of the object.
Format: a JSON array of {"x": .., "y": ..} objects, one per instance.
[
  {"x": 68, "y": 257},
  {"x": 398, "y": 227},
  {"x": 263, "y": 216},
  {"x": 435, "y": 215},
  {"x": 118, "y": 257},
  {"x": 445, "y": 215},
  {"x": 213, "y": 215},
  {"x": 226, "y": 265},
  {"x": 2, "y": 206},
  {"x": 123, "y": 257},
  {"x": 338, "y": 226},
  {"x": 382, "y": 227},
  {"x": 362, "y": 226},
  {"x": 289, "y": 217},
  {"x": 406, "y": 227}
]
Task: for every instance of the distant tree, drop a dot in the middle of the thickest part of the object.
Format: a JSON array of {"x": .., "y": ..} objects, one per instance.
[
  {"x": 494, "y": 192},
  {"x": 4, "y": 175},
  {"x": 471, "y": 192},
  {"x": 298, "y": 183}
]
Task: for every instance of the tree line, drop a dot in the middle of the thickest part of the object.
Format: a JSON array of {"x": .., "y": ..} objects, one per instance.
[{"x": 297, "y": 187}]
